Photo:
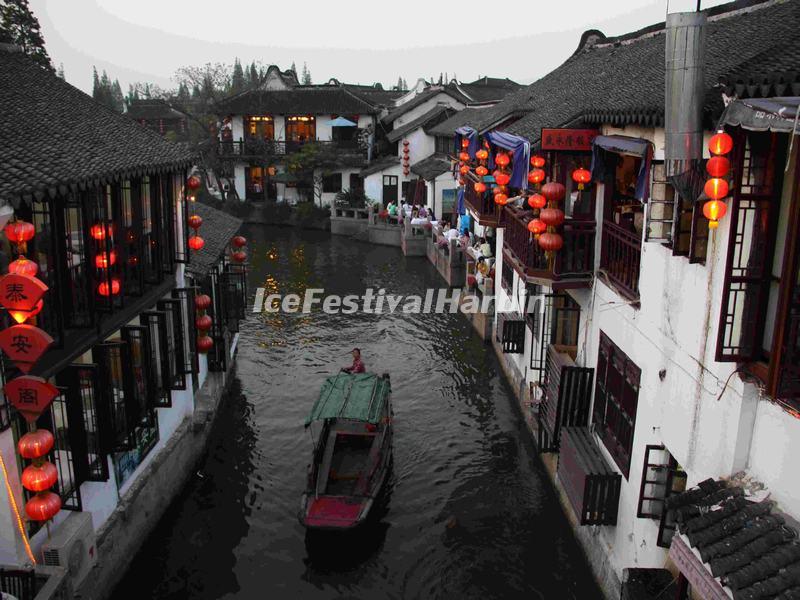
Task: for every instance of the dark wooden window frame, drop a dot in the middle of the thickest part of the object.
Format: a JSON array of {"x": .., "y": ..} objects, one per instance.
[
  {"x": 173, "y": 312},
  {"x": 156, "y": 322},
  {"x": 332, "y": 183},
  {"x": 513, "y": 336}
]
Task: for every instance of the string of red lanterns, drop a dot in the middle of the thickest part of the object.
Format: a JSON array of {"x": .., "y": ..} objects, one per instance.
[
  {"x": 502, "y": 177},
  {"x": 406, "y": 159},
  {"x": 203, "y": 322},
  {"x": 20, "y": 233},
  {"x": 717, "y": 187},
  {"x": 238, "y": 253},
  {"x": 105, "y": 256},
  {"x": 552, "y": 217},
  {"x": 481, "y": 170},
  {"x": 196, "y": 243}
]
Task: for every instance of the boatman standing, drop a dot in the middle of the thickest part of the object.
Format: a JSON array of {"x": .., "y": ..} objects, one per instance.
[{"x": 357, "y": 366}]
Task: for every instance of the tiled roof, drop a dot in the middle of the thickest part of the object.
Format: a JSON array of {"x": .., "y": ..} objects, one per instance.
[
  {"x": 312, "y": 100},
  {"x": 153, "y": 109},
  {"x": 489, "y": 89},
  {"x": 384, "y": 162},
  {"x": 373, "y": 95},
  {"x": 431, "y": 167},
  {"x": 217, "y": 230},
  {"x": 53, "y": 135},
  {"x": 433, "y": 116},
  {"x": 421, "y": 98},
  {"x": 745, "y": 544},
  {"x": 479, "y": 118}
]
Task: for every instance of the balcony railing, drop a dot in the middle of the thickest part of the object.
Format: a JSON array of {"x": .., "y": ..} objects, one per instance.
[
  {"x": 37, "y": 583},
  {"x": 257, "y": 147},
  {"x": 482, "y": 205},
  {"x": 620, "y": 258},
  {"x": 573, "y": 264}
]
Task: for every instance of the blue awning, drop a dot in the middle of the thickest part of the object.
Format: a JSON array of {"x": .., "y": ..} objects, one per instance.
[
  {"x": 342, "y": 122},
  {"x": 630, "y": 146},
  {"x": 471, "y": 135},
  {"x": 521, "y": 149},
  {"x": 765, "y": 114}
]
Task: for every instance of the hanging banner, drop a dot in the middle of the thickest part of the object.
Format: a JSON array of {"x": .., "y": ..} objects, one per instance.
[
  {"x": 24, "y": 345},
  {"x": 20, "y": 293},
  {"x": 30, "y": 395},
  {"x": 576, "y": 140}
]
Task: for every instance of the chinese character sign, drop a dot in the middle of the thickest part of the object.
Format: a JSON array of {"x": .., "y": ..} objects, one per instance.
[
  {"x": 30, "y": 395},
  {"x": 20, "y": 293},
  {"x": 24, "y": 345},
  {"x": 577, "y": 140}
]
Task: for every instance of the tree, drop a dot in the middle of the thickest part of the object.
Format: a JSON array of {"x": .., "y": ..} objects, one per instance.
[
  {"x": 118, "y": 100},
  {"x": 19, "y": 26},
  {"x": 238, "y": 83},
  {"x": 306, "y": 78},
  {"x": 399, "y": 85},
  {"x": 255, "y": 79}
]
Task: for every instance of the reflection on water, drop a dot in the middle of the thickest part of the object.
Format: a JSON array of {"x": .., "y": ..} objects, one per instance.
[{"x": 468, "y": 512}]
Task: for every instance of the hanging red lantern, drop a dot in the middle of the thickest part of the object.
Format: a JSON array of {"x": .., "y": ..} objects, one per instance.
[
  {"x": 464, "y": 169},
  {"x": 239, "y": 241},
  {"x": 464, "y": 143},
  {"x": 204, "y": 344},
  {"x": 720, "y": 143},
  {"x": 239, "y": 256},
  {"x": 537, "y": 201},
  {"x": 550, "y": 242},
  {"x": 196, "y": 242},
  {"x": 202, "y": 302},
  {"x": 105, "y": 259},
  {"x": 502, "y": 159},
  {"x": 536, "y": 176},
  {"x": 481, "y": 171},
  {"x": 100, "y": 231},
  {"x": 23, "y": 266},
  {"x": 38, "y": 478},
  {"x": 537, "y": 161},
  {"x": 553, "y": 217},
  {"x": 581, "y": 176},
  {"x": 500, "y": 189},
  {"x": 718, "y": 166},
  {"x": 195, "y": 221},
  {"x": 35, "y": 444},
  {"x": 19, "y": 232},
  {"x": 714, "y": 211},
  {"x": 501, "y": 199},
  {"x": 20, "y": 316},
  {"x": 194, "y": 183},
  {"x": 716, "y": 188},
  {"x": 104, "y": 289},
  {"x": 501, "y": 177},
  {"x": 203, "y": 322},
  {"x": 536, "y": 226},
  {"x": 480, "y": 187},
  {"x": 463, "y": 156},
  {"x": 43, "y": 506},
  {"x": 554, "y": 192},
  {"x": 406, "y": 171},
  {"x": 482, "y": 154}
]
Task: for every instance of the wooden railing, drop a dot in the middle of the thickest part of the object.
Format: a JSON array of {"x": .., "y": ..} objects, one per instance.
[
  {"x": 620, "y": 258},
  {"x": 256, "y": 147},
  {"x": 574, "y": 262},
  {"x": 482, "y": 205}
]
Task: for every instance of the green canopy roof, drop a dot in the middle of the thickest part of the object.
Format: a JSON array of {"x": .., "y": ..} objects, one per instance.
[{"x": 360, "y": 397}]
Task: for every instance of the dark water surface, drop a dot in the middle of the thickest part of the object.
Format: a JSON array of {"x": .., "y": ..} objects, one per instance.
[{"x": 469, "y": 512}]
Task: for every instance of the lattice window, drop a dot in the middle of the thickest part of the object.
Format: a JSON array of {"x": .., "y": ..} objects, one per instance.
[
  {"x": 56, "y": 419},
  {"x": 180, "y": 229},
  {"x": 217, "y": 357},
  {"x": 189, "y": 360},
  {"x": 77, "y": 297},
  {"x": 660, "y": 208},
  {"x": 102, "y": 250},
  {"x": 513, "y": 339},
  {"x": 156, "y": 323},
  {"x": 148, "y": 191},
  {"x": 173, "y": 314},
  {"x": 129, "y": 245},
  {"x": 676, "y": 483},
  {"x": 45, "y": 249},
  {"x": 166, "y": 224},
  {"x": 140, "y": 385},
  {"x": 121, "y": 413},
  {"x": 507, "y": 277}
]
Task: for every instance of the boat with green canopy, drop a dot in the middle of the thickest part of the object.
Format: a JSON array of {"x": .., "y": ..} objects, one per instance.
[{"x": 352, "y": 450}]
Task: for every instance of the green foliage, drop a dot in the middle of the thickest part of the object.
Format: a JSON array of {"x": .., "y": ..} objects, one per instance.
[
  {"x": 352, "y": 198},
  {"x": 305, "y": 78},
  {"x": 308, "y": 212},
  {"x": 107, "y": 93},
  {"x": 19, "y": 26}
]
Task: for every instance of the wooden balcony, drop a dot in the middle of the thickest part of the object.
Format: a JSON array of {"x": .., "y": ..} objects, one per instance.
[
  {"x": 567, "y": 395},
  {"x": 591, "y": 485},
  {"x": 481, "y": 206},
  {"x": 253, "y": 147},
  {"x": 620, "y": 258},
  {"x": 573, "y": 265}
]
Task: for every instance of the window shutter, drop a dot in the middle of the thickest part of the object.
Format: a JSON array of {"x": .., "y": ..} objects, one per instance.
[
  {"x": 138, "y": 380},
  {"x": 173, "y": 315},
  {"x": 660, "y": 208},
  {"x": 156, "y": 323},
  {"x": 189, "y": 363},
  {"x": 118, "y": 412},
  {"x": 513, "y": 336}
]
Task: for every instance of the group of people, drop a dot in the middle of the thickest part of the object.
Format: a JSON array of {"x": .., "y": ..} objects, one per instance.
[{"x": 413, "y": 212}]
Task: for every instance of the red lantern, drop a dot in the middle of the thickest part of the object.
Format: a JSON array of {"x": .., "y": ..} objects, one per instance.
[
  {"x": 471, "y": 281},
  {"x": 581, "y": 177},
  {"x": 481, "y": 154},
  {"x": 239, "y": 241},
  {"x": 714, "y": 210},
  {"x": 554, "y": 192},
  {"x": 552, "y": 217},
  {"x": 537, "y": 161},
  {"x": 105, "y": 259},
  {"x": 480, "y": 187},
  {"x": 501, "y": 199},
  {"x": 464, "y": 169},
  {"x": 536, "y": 176},
  {"x": 20, "y": 316},
  {"x": 716, "y": 188},
  {"x": 104, "y": 289},
  {"x": 550, "y": 242},
  {"x": 195, "y": 221},
  {"x": 204, "y": 344},
  {"x": 23, "y": 266},
  {"x": 537, "y": 201},
  {"x": 464, "y": 143},
  {"x": 502, "y": 159},
  {"x": 239, "y": 256},
  {"x": 406, "y": 171},
  {"x": 464, "y": 156},
  {"x": 196, "y": 242},
  {"x": 100, "y": 231},
  {"x": 202, "y": 302},
  {"x": 500, "y": 189},
  {"x": 35, "y": 444},
  {"x": 194, "y": 183},
  {"x": 718, "y": 166},
  {"x": 203, "y": 322},
  {"x": 133, "y": 260},
  {"x": 536, "y": 226},
  {"x": 720, "y": 143},
  {"x": 19, "y": 232},
  {"x": 501, "y": 177},
  {"x": 43, "y": 506},
  {"x": 481, "y": 171},
  {"x": 39, "y": 478}
]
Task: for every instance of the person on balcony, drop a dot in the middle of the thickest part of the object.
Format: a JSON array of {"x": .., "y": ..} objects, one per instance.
[{"x": 357, "y": 366}]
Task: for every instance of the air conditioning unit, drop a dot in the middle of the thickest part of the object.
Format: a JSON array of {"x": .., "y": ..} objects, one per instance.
[{"x": 73, "y": 547}]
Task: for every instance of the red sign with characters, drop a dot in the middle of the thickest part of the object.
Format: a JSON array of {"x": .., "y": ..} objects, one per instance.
[
  {"x": 30, "y": 395},
  {"x": 24, "y": 345},
  {"x": 20, "y": 293},
  {"x": 577, "y": 140}
]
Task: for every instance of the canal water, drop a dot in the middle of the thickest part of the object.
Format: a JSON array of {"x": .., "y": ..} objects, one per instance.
[{"x": 468, "y": 512}]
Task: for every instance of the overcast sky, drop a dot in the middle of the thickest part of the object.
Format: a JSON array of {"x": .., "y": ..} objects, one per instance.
[{"x": 357, "y": 41}]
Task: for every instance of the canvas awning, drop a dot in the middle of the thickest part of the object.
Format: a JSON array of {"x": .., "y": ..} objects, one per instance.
[
  {"x": 629, "y": 146},
  {"x": 342, "y": 122},
  {"x": 521, "y": 149},
  {"x": 764, "y": 114},
  {"x": 360, "y": 397},
  {"x": 471, "y": 135}
]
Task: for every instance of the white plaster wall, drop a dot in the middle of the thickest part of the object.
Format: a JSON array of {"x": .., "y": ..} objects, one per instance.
[
  {"x": 373, "y": 184},
  {"x": 239, "y": 180},
  {"x": 329, "y": 197},
  {"x": 324, "y": 129},
  {"x": 237, "y": 127},
  {"x": 12, "y": 551},
  {"x": 420, "y": 145},
  {"x": 279, "y": 125}
]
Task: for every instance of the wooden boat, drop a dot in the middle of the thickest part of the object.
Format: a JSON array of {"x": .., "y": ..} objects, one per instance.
[{"x": 352, "y": 451}]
